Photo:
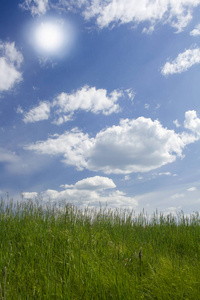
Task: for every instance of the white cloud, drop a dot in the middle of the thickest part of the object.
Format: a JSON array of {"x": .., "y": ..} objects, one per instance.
[
  {"x": 63, "y": 119},
  {"x": 19, "y": 110},
  {"x": 95, "y": 183},
  {"x": 192, "y": 189},
  {"x": 11, "y": 53},
  {"x": 183, "y": 62},
  {"x": 89, "y": 192},
  {"x": 148, "y": 30},
  {"x": 164, "y": 173},
  {"x": 176, "y": 123},
  {"x": 7, "y": 156},
  {"x": 176, "y": 13},
  {"x": 138, "y": 145},
  {"x": 69, "y": 5},
  {"x": 192, "y": 122},
  {"x": 39, "y": 113},
  {"x": 131, "y": 94},
  {"x": 31, "y": 195},
  {"x": 72, "y": 145},
  {"x": 10, "y": 62},
  {"x": 157, "y": 106},
  {"x": 165, "y": 198},
  {"x": 172, "y": 208},
  {"x": 87, "y": 99},
  {"x": 36, "y": 7},
  {"x": 195, "y": 31},
  {"x": 177, "y": 196}
]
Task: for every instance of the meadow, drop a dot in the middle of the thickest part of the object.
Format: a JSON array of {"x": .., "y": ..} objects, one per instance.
[{"x": 65, "y": 253}]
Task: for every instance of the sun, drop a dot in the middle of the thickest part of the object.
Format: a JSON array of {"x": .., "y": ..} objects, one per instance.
[
  {"x": 49, "y": 37},
  {"x": 52, "y": 38}
]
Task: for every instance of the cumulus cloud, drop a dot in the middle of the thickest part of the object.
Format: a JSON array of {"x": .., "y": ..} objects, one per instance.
[
  {"x": 192, "y": 122},
  {"x": 88, "y": 192},
  {"x": 36, "y": 7},
  {"x": 195, "y": 31},
  {"x": 10, "y": 62},
  {"x": 95, "y": 183},
  {"x": 39, "y": 113},
  {"x": 86, "y": 99},
  {"x": 138, "y": 145},
  {"x": 183, "y": 62},
  {"x": 72, "y": 145}
]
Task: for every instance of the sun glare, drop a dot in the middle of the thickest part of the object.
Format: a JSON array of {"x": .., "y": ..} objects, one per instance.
[
  {"x": 49, "y": 37},
  {"x": 52, "y": 37}
]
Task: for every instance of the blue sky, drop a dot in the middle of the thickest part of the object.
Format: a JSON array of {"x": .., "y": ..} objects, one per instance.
[{"x": 100, "y": 102}]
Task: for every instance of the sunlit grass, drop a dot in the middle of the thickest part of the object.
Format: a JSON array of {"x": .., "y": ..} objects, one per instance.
[{"x": 51, "y": 253}]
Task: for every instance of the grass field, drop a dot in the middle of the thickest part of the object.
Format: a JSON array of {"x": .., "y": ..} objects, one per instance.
[{"x": 49, "y": 253}]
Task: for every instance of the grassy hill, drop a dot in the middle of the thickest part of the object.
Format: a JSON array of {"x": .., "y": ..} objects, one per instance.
[{"x": 50, "y": 253}]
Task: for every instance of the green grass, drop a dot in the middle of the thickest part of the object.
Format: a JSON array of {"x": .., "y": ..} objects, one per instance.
[{"x": 49, "y": 253}]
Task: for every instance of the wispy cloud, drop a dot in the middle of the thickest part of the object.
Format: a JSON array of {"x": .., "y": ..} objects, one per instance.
[
  {"x": 21, "y": 163},
  {"x": 7, "y": 156},
  {"x": 36, "y": 7},
  {"x": 10, "y": 63},
  {"x": 177, "y": 196},
  {"x": 127, "y": 177},
  {"x": 64, "y": 118},
  {"x": 164, "y": 174},
  {"x": 176, "y": 123},
  {"x": 195, "y": 31},
  {"x": 39, "y": 113},
  {"x": 176, "y": 13},
  {"x": 183, "y": 62}
]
